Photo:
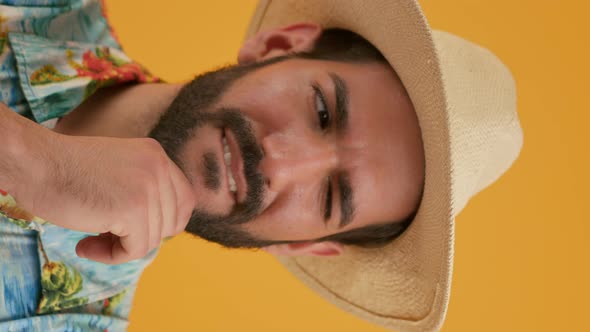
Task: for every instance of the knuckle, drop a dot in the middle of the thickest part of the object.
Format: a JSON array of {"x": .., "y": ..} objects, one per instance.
[
  {"x": 139, "y": 250},
  {"x": 142, "y": 176},
  {"x": 138, "y": 198},
  {"x": 151, "y": 143},
  {"x": 136, "y": 211},
  {"x": 145, "y": 181},
  {"x": 183, "y": 220},
  {"x": 161, "y": 163},
  {"x": 116, "y": 228},
  {"x": 155, "y": 163},
  {"x": 151, "y": 152},
  {"x": 186, "y": 211},
  {"x": 188, "y": 205}
]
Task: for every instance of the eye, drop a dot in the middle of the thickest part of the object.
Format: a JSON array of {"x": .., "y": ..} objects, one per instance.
[{"x": 321, "y": 108}]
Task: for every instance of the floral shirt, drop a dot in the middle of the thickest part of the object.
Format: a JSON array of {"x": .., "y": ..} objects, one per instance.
[{"x": 53, "y": 55}]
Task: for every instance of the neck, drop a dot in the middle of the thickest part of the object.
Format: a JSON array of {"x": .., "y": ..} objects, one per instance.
[{"x": 121, "y": 111}]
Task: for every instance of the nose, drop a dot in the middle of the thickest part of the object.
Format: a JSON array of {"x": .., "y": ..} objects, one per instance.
[{"x": 292, "y": 159}]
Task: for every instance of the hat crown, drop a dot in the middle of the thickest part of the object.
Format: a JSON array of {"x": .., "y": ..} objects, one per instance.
[
  {"x": 484, "y": 129},
  {"x": 465, "y": 102}
]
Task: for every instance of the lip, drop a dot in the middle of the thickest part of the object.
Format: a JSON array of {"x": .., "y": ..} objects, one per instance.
[{"x": 237, "y": 166}]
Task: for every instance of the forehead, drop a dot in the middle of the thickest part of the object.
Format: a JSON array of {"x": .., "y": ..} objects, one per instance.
[{"x": 381, "y": 149}]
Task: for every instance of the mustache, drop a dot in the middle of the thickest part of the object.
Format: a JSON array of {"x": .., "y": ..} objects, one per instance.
[
  {"x": 198, "y": 104},
  {"x": 232, "y": 119},
  {"x": 252, "y": 154},
  {"x": 212, "y": 171}
]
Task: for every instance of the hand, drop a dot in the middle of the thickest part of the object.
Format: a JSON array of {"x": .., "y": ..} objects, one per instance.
[{"x": 127, "y": 190}]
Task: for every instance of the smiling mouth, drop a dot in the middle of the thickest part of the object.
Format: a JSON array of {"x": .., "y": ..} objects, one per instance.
[{"x": 227, "y": 156}]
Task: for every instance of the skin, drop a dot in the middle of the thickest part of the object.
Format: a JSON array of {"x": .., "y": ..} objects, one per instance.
[{"x": 381, "y": 149}]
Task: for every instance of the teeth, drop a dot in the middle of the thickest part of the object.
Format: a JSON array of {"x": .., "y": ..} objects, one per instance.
[
  {"x": 232, "y": 183},
  {"x": 227, "y": 157}
]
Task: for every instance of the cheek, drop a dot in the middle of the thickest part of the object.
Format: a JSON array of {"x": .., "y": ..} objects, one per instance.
[
  {"x": 273, "y": 102},
  {"x": 288, "y": 219}
]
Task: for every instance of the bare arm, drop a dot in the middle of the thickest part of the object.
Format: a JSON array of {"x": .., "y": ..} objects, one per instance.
[
  {"x": 126, "y": 189},
  {"x": 20, "y": 142}
]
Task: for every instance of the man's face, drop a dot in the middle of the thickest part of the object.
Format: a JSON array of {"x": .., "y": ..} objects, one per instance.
[{"x": 329, "y": 147}]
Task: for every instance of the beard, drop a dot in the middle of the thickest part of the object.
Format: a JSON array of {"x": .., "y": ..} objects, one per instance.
[{"x": 192, "y": 109}]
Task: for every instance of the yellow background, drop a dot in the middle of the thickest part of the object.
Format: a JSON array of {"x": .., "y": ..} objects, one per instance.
[{"x": 522, "y": 249}]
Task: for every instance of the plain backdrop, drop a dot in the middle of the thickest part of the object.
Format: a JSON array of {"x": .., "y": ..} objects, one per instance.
[{"x": 522, "y": 245}]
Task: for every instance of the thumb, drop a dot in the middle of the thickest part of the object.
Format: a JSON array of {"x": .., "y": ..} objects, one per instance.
[{"x": 104, "y": 248}]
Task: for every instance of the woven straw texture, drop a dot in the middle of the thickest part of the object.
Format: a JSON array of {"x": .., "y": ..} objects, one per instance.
[{"x": 465, "y": 101}]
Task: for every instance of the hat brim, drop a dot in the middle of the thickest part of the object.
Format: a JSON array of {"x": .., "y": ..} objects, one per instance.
[{"x": 406, "y": 284}]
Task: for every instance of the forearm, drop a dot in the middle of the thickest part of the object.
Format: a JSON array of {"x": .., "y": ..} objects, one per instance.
[{"x": 23, "y": 144}]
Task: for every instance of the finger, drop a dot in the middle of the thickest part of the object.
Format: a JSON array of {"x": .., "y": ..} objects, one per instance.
[
  {"x": 99, "y": 248},
  {"x": 141, "y": 227},
  {"x": 128, "y": 248},
  {"x": 168, "y": 198},
  {"x": 134, "y": 242},
  {"x": 185, "y": 198},
  {"x": 155, "y": 218}
]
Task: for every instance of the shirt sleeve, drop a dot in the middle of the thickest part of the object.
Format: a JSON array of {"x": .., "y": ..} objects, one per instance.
[
  {"x": 57, "y": 76},
  {"x": 45, "y": 286},
  {"x": 56, "y": 53}
]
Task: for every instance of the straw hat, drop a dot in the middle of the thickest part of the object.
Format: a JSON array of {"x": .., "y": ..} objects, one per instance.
[{"x": 465, "y": 101}]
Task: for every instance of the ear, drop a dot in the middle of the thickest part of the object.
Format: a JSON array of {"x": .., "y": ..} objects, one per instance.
[
  {"x": 291, "y": 39},
  {"x": 326, "y": 248}
]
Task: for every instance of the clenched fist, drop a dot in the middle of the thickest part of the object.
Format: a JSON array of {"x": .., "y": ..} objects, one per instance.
[{"x": 126, "y": 189}]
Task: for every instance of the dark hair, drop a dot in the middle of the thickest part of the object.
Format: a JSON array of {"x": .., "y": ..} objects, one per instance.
[
  {"x": 346, "y": 46},
  {"x": 372, "y": 236}
]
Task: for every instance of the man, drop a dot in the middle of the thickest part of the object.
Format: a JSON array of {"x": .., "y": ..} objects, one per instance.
[{"x": 318, "y": 143}]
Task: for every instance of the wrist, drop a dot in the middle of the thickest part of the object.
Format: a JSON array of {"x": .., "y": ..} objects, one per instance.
[
  {"x": 24, "y": 154},
  {"x": 11, "y": 148}
]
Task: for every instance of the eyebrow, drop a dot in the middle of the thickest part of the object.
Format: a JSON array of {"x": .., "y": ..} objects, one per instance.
[
  {"x": 341, "y": 92},
  {"x": 347, "y": 207}
]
